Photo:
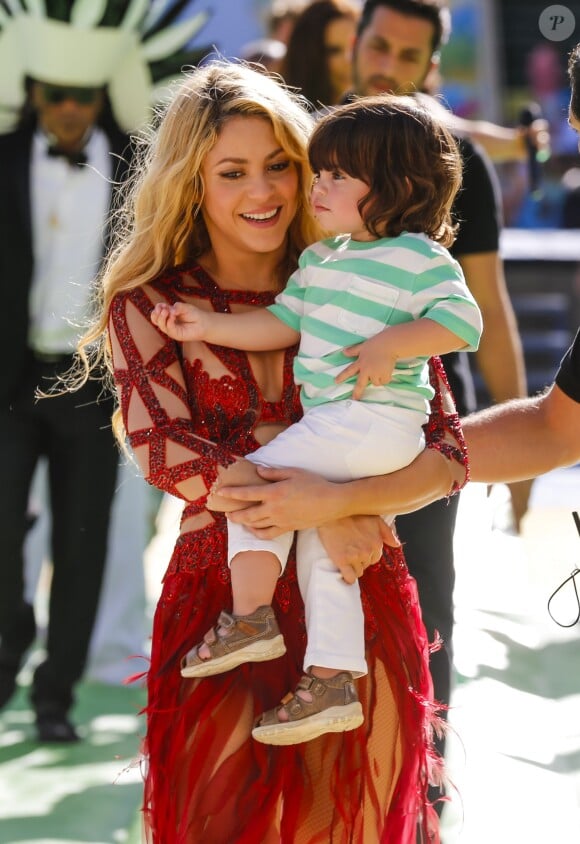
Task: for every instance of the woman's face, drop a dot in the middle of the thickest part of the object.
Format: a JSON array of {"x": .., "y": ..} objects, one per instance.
[
  {"x": 339, "y": 37},
  {"x": 251, "y": 189}
]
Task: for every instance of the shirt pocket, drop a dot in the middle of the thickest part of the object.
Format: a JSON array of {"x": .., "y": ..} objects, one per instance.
[{"x": 368, "y": 307}]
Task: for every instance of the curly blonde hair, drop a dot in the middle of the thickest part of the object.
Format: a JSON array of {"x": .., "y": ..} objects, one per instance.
[{"x": 159, "y": 225}]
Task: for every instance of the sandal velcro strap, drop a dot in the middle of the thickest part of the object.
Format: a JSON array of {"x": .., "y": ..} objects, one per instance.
[
  {"x": 314, "y": 685},
  {"x": 226, "y": 620}
]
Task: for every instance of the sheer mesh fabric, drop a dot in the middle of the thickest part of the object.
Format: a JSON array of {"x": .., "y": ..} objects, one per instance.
[{"x": 189, "y": 410}]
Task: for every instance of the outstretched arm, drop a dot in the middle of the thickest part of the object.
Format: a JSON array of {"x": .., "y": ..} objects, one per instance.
[{"x": 252, "y": 331}]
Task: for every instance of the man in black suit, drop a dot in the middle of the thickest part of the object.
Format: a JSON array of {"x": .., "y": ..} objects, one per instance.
[
  {"x": 84, "y": 74},
  {"x": 57, "y": 170}
]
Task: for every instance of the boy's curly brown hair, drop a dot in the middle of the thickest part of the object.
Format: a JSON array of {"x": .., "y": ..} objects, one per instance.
[{"x": 406, "y": 156}]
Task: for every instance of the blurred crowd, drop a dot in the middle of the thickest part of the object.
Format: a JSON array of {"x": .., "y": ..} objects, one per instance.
[{"x": 309, "y": 44}]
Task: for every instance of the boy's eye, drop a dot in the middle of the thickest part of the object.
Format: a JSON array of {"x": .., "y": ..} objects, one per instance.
[{"x": 337, "y": 175}]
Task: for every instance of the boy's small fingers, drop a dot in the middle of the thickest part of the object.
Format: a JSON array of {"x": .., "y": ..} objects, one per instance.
[
  {"x": 349, "y": 372},
  {"x": 360, "y": 386}
]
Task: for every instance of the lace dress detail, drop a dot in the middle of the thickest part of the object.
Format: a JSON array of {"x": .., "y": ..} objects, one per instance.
[{"x": 188, "y": 410}]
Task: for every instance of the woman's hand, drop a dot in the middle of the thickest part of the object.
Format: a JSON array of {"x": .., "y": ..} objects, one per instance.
[
  {"x": 297, "y": 500},
  {"x": 293, "y": 500},
  {"x": 356, "y": 542}
]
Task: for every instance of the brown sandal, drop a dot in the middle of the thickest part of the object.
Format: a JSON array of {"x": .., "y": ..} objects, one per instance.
[
  {"x": 245, "y": 638},
  {"x": 334, "y": 708}
]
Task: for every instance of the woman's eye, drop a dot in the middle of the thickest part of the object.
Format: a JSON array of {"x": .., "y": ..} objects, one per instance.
[
  {"x": 280, "y": 166},
  {"x": 231, "y": 174}
]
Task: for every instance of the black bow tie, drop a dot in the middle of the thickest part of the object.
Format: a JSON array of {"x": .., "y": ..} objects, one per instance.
[{"x": 75, "y": 159}]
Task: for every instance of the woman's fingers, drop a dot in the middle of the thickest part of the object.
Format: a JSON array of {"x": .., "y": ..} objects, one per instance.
[
  {"x": 389, "y": 535},
  {"x": 295, "y": 499},
  {"x": 349, "y": 574}
]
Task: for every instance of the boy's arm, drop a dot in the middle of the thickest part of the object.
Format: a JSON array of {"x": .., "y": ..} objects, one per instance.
[
  {"x": 257, "y": 330},
  {"x": 377, "y": 357}
]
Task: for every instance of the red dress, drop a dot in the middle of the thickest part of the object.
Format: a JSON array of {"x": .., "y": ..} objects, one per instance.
[{"x": 187, "y": 411}]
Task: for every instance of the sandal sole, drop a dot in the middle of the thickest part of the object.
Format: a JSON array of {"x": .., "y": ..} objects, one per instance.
[
  {"x": 261, "y": 651},
  {"x": 336, "y": 719}
]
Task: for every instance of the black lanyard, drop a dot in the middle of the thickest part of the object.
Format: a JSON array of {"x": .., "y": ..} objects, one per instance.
[{"x": 570, "y": 579}]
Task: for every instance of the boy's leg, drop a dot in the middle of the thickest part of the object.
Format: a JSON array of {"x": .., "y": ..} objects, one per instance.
[
  {"x": 325, "y": 699},
  {"x": 254, "y": 576},
  {"x": 333, "y": 609},
  {"x": 250, "y": 633}
]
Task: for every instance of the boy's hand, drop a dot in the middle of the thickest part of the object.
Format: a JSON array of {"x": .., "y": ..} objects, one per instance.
[
  {"x": 181, "y": 321},
  {"x": 375, "y": 363}
]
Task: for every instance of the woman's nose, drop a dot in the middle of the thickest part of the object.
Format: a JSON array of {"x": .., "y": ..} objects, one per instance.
[{"x": 261, "y": 185}]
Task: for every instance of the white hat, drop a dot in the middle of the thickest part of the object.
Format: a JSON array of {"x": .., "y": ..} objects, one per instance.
[{"x": 124, "y": 46}]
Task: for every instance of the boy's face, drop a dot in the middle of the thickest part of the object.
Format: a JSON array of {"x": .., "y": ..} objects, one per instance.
[
  {"x": 335, "y": 198},
  {"x": 393, "y": 54}
]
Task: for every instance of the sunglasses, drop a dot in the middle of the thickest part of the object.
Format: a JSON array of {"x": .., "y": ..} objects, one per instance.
[{"x": 57, "y": 94}]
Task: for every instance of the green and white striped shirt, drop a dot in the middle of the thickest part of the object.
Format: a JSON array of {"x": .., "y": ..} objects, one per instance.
[{"x": 345, "y": 291}]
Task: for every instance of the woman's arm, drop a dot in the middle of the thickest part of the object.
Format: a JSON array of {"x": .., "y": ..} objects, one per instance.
[
  {"x": 296, "y": 499},
  {"x": 508, "y": 442},
  {"x": 154, "y": 403}
]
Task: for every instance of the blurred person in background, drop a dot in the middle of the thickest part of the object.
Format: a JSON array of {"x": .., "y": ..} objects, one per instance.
[
  {"x": 73, "y": 82},
  {"x": 281, "y": 17},
  {"x": 268, "y": 52},
  {"x": 318, "y": 58},
  {"x": 545, "y": 71}
]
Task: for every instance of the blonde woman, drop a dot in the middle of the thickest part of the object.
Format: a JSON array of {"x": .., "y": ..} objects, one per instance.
[{"x": 217, "y": 216}]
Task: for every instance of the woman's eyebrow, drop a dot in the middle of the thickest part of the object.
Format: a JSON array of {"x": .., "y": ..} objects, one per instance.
[{"x": 233, "y": 160}]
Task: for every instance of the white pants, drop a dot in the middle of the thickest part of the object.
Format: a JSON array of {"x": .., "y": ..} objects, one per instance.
[{"x": 342, "y": 441}]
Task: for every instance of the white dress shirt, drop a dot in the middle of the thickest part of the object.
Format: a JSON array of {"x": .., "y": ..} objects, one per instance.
[{"x": 69, "y": 210}]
